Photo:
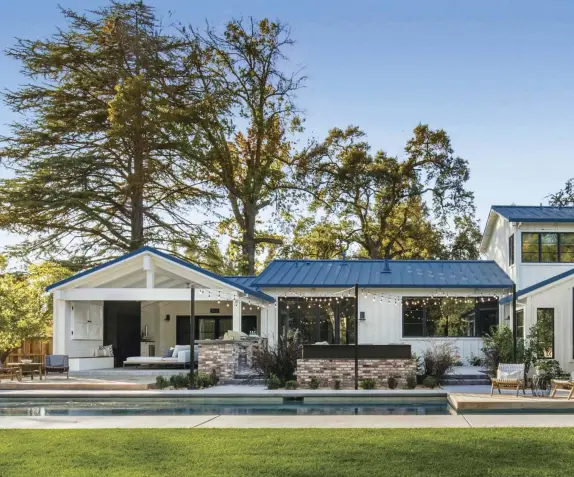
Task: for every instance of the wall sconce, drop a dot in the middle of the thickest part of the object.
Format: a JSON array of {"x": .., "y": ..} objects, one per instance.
[
  {"x": 507, "y": 318},
  {"x": 167, "y": 317},
  {"x": 362, "y": 316}
]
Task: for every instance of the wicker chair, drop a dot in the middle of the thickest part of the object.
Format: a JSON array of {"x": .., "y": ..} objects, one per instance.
[
  {"x": 509, "y": 376},
  {"x": 10, "y": 373},
  {"x": 567, "y": 384},
  {"x": 56, "y": 363}
]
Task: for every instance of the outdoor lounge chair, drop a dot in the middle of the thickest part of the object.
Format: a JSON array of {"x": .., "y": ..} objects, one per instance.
[
  {"x": 10, "y": 373},
  {"x": 509, "y": 376},
  {"x": 567, "y": 384},
  {"x": 56, "y": 363}
]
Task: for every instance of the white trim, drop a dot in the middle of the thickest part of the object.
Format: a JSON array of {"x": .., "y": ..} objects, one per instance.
[{"x": 133, "y": 294}]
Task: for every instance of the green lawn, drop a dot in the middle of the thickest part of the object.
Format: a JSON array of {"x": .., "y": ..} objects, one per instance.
[{"x": 287, "y": 452}]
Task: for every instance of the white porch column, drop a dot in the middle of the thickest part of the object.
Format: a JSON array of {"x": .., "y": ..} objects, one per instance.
[
  {"x": 59, "y": 326},
  {"x": 236, "y": 315}
]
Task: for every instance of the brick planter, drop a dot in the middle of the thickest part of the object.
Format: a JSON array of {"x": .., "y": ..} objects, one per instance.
[
  {"x": 327, "y": 371},
  {"x": 227, "y": 358}
]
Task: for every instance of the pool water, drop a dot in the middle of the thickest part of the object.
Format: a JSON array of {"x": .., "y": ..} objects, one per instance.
[{"x": 180, "y": 407}]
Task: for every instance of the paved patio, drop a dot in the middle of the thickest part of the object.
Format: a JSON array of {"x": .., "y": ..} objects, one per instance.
[{"x": 220, "y": 421}]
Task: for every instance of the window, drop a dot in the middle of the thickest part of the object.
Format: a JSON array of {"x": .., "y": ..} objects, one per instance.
[
  {"x": 511, "y": 250},
  {"x": 318, "y": 319},
  {"x": 530, "y": 248},
  {"x": 567, "y": 247},
  {"x": 547, "y": 247},
  {"x": 545, "y": 319},
  {"x": 453, "y": 317},
  {"x": 520, "y": 323}
]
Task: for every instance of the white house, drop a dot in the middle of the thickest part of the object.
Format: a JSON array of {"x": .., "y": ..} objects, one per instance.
[
  {"x": 535, "y": 247},
  {"x": 140, "y": 303}
]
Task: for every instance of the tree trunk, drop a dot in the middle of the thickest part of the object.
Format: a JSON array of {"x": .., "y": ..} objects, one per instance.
[
  {"x": 137, "y": 189},
  {"x": 248, "y": 239},
  {"x": 4, "y": 354},
  {"x": 136, "y": 219}
]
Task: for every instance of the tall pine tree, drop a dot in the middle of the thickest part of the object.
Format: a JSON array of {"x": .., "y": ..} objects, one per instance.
[{"x": 96, "y": 169}]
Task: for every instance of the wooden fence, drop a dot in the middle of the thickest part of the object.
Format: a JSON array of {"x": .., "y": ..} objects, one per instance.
[{"x": 33, "y": 349}]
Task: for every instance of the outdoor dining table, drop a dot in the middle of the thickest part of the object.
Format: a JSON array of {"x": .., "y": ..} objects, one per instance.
[{"x": 24, "y": 367}]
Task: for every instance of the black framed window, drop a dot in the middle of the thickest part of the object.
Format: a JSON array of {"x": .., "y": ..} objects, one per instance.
[
  {"x": 211, "y": 327},
  {"x": 549, "y": 247},
  {"x": 520, "y": 323},
  {"x": 545, "y": 320},
  {"x": 318, "y": 319},
  {"x": 449, "y": 317},
  {"x": 511, "y": 250},
  {"x": 530, "y": 247}
]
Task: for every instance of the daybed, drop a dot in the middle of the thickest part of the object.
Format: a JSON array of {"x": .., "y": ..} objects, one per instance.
[{"x": 179, "y": 357}]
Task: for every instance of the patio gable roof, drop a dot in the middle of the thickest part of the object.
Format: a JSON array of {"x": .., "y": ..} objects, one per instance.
[{"x": 109, "y": 266}]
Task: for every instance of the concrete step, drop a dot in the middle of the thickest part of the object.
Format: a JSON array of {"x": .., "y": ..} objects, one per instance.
[
  {"x": 243, "y": 381},
  {"x": 466, "y": 382}
]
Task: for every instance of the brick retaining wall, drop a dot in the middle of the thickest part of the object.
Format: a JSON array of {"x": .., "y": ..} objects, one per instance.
[{"x": 327, "y": 371}]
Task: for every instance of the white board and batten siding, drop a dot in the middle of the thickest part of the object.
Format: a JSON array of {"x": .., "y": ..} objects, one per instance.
[
  {"x": 560, "y": 298},
  {"x": 383, "y": 322}
]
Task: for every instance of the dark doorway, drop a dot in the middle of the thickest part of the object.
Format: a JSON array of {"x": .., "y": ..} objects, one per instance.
[
  {"x": 211, "y": 327},
  {"x": 122, "y": 329}
]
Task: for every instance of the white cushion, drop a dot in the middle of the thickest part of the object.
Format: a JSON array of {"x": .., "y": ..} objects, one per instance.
[{"x": 179, "y": 348}]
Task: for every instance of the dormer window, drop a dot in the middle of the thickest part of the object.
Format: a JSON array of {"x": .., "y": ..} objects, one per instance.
[{"x": 543, "y": 247}]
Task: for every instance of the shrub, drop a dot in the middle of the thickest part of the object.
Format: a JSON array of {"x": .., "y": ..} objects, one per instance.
[
  {"x": 279, "y": 360},
  {"x": 550, "y": 367},
  {"x": 498, "y": 347},
  {"x": 213, "y": 378},
  {"x": 439, "y": 360},
  {"x": 291, "y": 384},
  {"x": 179, "y": 381},
  {"x": 337, "y": 384},
  {"x": 273, "y": 382},
  {"x": 368, "y": 384},
  {"x": 392, "y": 382},
  {"x": 161, "y": 382},
  {"x": 314, "y": 383},
  {"x": 475, "y": 360},
  {"x": 430, "y": 382},
  {"x": 411, "y": 381}
]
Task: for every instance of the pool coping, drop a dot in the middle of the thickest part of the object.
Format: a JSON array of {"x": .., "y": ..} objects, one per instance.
[{"x": 206, "y": 394}]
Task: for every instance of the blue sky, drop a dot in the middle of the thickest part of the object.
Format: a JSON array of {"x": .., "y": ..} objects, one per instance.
[{"x": 498, "y": 76}]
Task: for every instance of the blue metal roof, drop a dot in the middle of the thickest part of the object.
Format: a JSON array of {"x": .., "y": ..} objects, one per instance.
[
  {"x": 371, "y": 273},
  {"x": 521, "y": 213},
  {"x": 538, "y": 285},
  {"x": 246, "y": 281},
  {"x": 242, "y": 287}
]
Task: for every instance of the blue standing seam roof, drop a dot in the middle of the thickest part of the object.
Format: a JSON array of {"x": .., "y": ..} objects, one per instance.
[
  {"x": 246, "y": 281},
  {"x": 538, "y": 285},
  {"x": 523, "y": 213},
  {"x": 373, "y": 273},
  {"x": 244, "y": 288}
]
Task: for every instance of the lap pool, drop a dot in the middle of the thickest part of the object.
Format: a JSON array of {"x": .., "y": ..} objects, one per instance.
[{"x": 177, "y": 407}]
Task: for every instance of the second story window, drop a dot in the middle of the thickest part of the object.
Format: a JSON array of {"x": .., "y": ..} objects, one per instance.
[
  {"x": 547, "y": 247},
  {"x": 511, "y": 250}
]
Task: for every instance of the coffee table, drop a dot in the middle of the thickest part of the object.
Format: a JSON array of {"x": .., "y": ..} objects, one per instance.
[{"x": 28, "y": 367}]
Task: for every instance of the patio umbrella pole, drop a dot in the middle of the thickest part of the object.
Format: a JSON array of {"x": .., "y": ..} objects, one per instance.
[
  {"x": 192, "y": 337},
  {"x": 356, "y": 336}
]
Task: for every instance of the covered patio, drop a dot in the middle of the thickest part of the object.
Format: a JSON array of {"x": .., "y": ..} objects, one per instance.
[{"x": 140, "y": 304}]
